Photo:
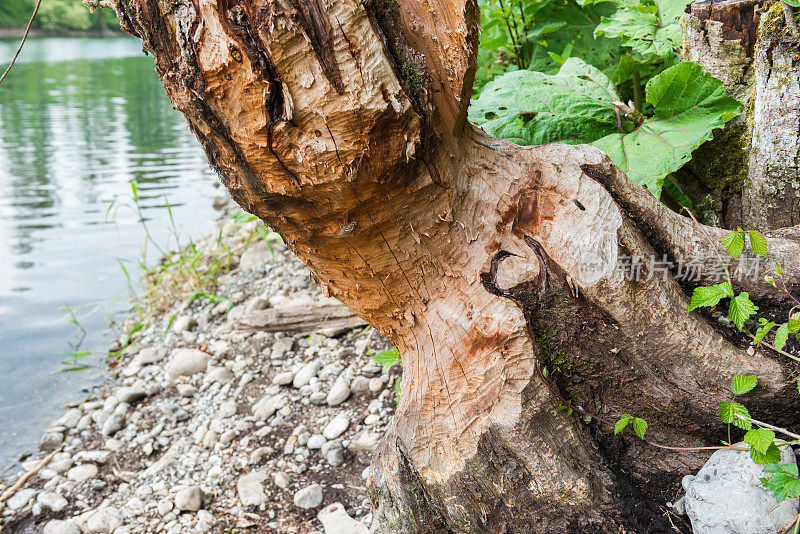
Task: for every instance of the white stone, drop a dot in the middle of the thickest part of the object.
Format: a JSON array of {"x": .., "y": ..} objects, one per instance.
[
  {"x": 130, "y": 394},
  {"x": 339, "y": 392},
  {"x": 365, "y": 442},
  {"x": 98, "y": 457},
  {"x": 220, "y": 374},
  {"x": 375, "y": 385},
  {"x": 281, "y": 480},
  {"x": 186, "y": 390},
  {"x": 308, "y": 497},
  {"x": 113, "y": 424},
  {"x": 335, "y": 520},
  {"x": 21, "y": 498},
  {"x": 104, "y": 521},
  {"x": 189, "y": 499},
  {"x": 82, "y": 472},
  {"x": 186, "y": 362},
  {"x": 251, "y": 488},
  {"x": 316, "y": 441},
  {"x": 283, "y": 379},
  {"x": 306, "y": 373},
  {"x": 183, "y": 323},
  {"x": 267, "y": 406},
  {"x": 336, "y": 427},
  {"x": 727, "y": 497},
  {"x": 58, "y": 526},
  {"x": 52, "y": 500}
]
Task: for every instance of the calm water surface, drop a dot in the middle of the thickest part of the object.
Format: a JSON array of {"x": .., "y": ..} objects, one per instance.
[{"x": 79, "y": 120}]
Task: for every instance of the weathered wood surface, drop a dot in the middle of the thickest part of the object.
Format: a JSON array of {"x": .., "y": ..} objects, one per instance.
[{"x": 328, "y": 316}]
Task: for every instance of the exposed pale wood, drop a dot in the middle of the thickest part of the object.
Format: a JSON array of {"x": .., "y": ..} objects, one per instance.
[{"x": 329, "y": 317}]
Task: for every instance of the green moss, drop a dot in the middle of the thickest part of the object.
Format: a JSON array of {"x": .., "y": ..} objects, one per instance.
[{"x": 411, "y": 76}]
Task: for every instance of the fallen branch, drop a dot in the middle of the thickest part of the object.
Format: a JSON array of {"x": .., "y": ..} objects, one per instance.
[
  {"x": 24, "y": 478},
  {"x": 768, "y": 426},
  {"x": 326, "y": 316}
]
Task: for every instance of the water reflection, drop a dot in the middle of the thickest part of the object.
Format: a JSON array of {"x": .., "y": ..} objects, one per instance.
[{"x": 79, "y": 120}]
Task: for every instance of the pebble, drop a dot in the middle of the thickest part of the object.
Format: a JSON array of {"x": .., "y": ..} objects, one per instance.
[
  {"x": 336, "y": 520},
  {"x": 50, "y": 441},
  {"x": 308, "y": 497},
  {"x": 51, "y": 500},
  {"x": 333, "y": 452},
  {"x": 281, "y": 480},
  {"x": 251, "y": 488},
  {"x": 186, "y": 362},
  {"x": 339, "y": 392},
  {"x": 336, "y": 427},
  {"x": 104, "y": 521},
  {"x": 189, "y": 499},
  {"x": 113, "y": 424},
  {"x": 186, "y": 390},
  {"x": 266, "y": 407},
  {"x": 220, "y": 374},
  {"x": 283, "y": 379},
  {"x": 306, "y": 373},
  {"x": 57, "y": 526},
  {"x": 82, "y": 472},
  {"x": 21, "y": 498},
  {"x": 130, "y": 394},
  {"x": 375, "y": 385},
  {"x": 316, "y": 441},
  {"x": 365, "y": 442}
]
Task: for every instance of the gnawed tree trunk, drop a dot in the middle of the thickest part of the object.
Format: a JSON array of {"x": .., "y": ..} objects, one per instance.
[
  {"x": 343, "y": 126},
  {"x": 750, "y": 175}
]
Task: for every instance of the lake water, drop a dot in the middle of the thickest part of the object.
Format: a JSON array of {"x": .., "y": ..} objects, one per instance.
[{"x": 79, "y": 120}]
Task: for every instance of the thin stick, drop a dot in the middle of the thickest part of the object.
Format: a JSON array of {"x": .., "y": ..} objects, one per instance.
[
  {"x": 27, "y": 29},
  {"x": 21, "y": 482},
  {"x": 767, "y": 425}
]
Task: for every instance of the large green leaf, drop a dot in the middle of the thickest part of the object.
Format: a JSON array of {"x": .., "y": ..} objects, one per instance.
[
  {"x": 641, "y": 31},
  {"x": 573, "y": 106},
  {"x": 648, "y": 29},
  {"x": 689, "y": 105}
]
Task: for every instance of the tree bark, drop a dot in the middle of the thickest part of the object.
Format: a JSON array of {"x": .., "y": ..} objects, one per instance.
[
  {"x": 490, "y": 266},
  {"x": 748, "y": 176}
]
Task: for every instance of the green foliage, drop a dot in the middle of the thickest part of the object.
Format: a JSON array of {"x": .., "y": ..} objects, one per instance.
[
  {"x": 728, "y": 412},
  {"x": 577, "y": 105},
  {"x": 647, "y": 29},
  {"x": 772, "y": 455},
  {"x": 688, "y": 106},
  {"x": 15, "y": 13},
  {"x": 64, "y": 15},
  {"x": 742, "y": 384},
  {"x": 758, "y": 243},
  {"x": 709, "y": 296},
  {"x": 784, "y": 482},
  {"x": 522, "y": 95},
  {"x": 540, "y": 35},
  {"x": 55, "y": 15},
  {"x": 759, "y": 439},
  {"x": 530, "y": 108},
  {"x": 622, "y": 423},
  {"x": 387, "y": 358},
  {"x": 741, "y": 309},
  {"x": 639, "y": 425}
]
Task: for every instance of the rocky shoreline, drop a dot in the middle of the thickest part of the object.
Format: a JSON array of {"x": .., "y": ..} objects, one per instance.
[{"x": 213, "y": 422}]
